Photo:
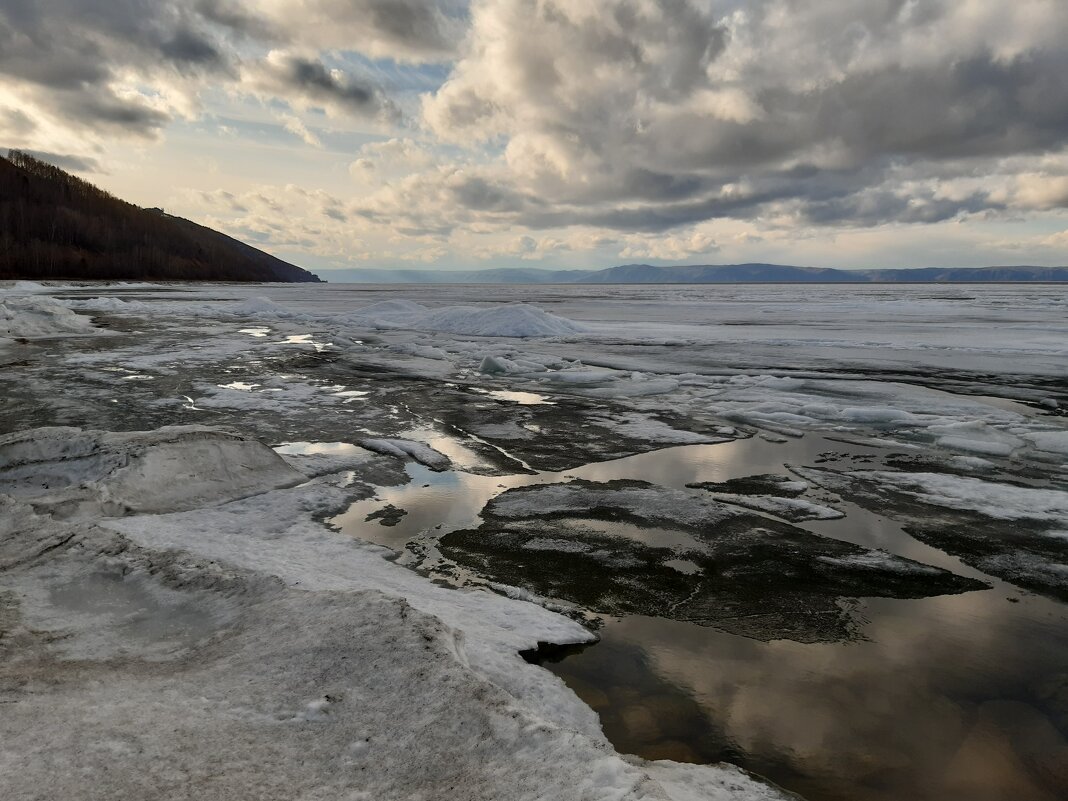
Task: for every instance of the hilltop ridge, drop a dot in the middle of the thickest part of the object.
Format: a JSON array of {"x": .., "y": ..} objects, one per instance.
[{"x": 54, "y": 225}]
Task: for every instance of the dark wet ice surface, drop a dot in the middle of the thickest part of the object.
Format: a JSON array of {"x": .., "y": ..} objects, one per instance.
[{"x": 959, "y": 696}]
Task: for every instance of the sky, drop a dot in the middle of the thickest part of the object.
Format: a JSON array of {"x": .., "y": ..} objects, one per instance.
[{"x": 563, "y": 133}]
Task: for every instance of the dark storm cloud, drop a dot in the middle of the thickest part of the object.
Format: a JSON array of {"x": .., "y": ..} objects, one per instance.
[
  {"x": 107, "y": 111},
  {"x": 66, "y": 161},
  {"x": 873, "y": 208},
  {"x": 187, "y": 46},
  {"x": 980, "y": 106},
  {"x": 479, "y": 194},
  {"x": 313, "y": 80}
]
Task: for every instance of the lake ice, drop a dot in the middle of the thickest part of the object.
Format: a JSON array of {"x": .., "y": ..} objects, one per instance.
[{"x": 815, "y": 532}]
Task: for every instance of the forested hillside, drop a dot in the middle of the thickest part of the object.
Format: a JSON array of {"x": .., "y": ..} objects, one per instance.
[{"x": 54, "y": 225}]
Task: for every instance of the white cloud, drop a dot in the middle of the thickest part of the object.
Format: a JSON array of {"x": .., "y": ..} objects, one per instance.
[{"x": 293, "y": 124}]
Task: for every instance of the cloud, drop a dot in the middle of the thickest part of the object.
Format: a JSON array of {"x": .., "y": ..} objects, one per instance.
[
  {"x": 1058, "y": 240},
  {"x": 679, "y": 247},
  {"x": 293, "y": 124},
  {"x": 307, "y": 80},
  {"x": 404, "y": 30},
  {"x": 130, "y": 67},
  {"x": 66, "y": 161},
  {"x": 107, "y": 67},
  {"x": 634, "y": 115}
]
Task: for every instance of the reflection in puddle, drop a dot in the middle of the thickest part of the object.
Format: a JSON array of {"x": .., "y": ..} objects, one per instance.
[
  {"x": 950, "y": 697},
  {"x": 453, "y": 499},
  {"x": 522, "y": 398},
  {"x": 306, "y": 339},
  {"x": 461, "y": 456},
  {"x": 318, "y": 449},
  {"x": 242, "y": 385},
  {"x": 954, "y": 697},
  {"x": 258, "y": 331}
]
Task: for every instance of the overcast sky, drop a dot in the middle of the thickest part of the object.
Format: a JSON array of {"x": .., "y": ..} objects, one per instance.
[{"x": 564, "y": 133}]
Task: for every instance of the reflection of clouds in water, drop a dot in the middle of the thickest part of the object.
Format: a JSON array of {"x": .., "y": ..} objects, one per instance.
[
  {"x": 455, "y": 498},
  {"x": 908, "y": 710},
  {"x": 319, "y": 448},
  {"x": 522, "y": 398},
  {"x": 905, "y": 714}
]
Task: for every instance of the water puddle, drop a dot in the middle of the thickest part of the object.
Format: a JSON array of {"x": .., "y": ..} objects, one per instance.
[
  {"x": 522, "y": 398},
  {"x": 351, "y": 394},
  {"x": 445, "y": 501},
  {"x": 948, "y": 697},
  {"x": 319, "y": 449},
  {"x": 306, "y": 339}
]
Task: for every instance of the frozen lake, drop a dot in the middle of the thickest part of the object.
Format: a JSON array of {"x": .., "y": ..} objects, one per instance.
[{"x": 821, "y": 531}]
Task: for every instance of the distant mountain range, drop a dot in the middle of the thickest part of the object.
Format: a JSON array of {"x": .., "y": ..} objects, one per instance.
[
  {"x": 56, "y": 226},
  {"x": 707, "y": 274}
]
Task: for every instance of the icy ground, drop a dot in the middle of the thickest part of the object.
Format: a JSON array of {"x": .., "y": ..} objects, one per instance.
[{"x": 178, "y": 609}]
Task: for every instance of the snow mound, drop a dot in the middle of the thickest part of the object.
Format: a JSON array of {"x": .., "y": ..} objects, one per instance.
[
  {"x": 31, "y": 317},
  {"x": 507, "y": 320},
  {"x": 406, "y": 449},
  {"x": 76, "y": 474}
]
